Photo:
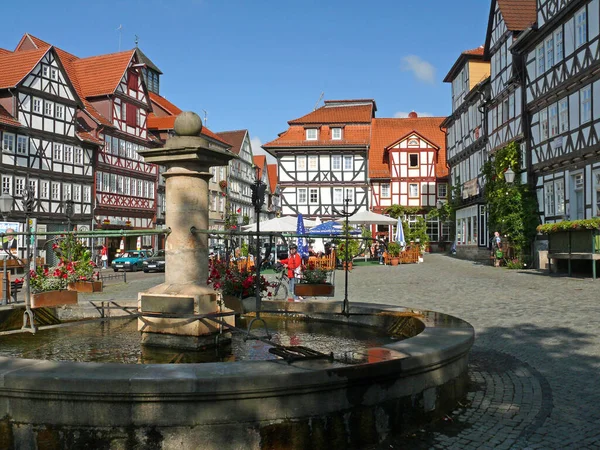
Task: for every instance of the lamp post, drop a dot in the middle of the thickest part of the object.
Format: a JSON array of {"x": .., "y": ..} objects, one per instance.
[
  {"x": 346, "y": 214},
  {"x": 6, "y": 204},
  {"x": 509, "y": 176},
  {"x": 258, "y": 199}
]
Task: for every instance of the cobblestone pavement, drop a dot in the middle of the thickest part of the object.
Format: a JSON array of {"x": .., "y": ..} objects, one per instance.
[{"x": 535, "y": 365}]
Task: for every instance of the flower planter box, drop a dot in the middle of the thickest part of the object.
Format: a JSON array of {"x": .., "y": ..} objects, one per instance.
[
  {"x": 314, "y": 290},
  {"x": 53, "y": 298},
  {"x": 85, "y": 286}
]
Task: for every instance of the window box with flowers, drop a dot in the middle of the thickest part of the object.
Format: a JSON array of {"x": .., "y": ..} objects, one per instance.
[
  {"x": 223, "y": 184},
  {"x": 316, "y": 281}
]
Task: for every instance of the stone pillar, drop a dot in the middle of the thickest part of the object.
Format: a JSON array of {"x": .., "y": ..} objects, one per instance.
[{"x": 184, "y": 294}]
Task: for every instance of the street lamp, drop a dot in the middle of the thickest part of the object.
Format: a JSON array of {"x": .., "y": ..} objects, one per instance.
[
  {"x": 6, "y": 204},
  {"x": 345, "y": 213},
  {"x": 509, "y": 176},
  {"x": 439, "y": 205}
]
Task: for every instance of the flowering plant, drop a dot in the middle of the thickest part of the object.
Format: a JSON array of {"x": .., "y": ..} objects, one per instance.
[
  {"x": 567, "y": 225},
  {"x": 313, "y": 274},
  {"x": 223, "y": 184},
  {"x": 232, "y": 280}
]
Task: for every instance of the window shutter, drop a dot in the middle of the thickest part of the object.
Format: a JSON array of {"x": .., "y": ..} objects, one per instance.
[
  {"x": 131, "y": 119},
  {"x": 132, "y": 81}
]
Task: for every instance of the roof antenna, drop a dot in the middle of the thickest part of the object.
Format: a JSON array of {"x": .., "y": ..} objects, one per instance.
[
  {"x": 318, "y": 101},
  {"x": 137, "y": 39},
  {"x": 120, "y": 30},
  {"x": 205, "y": 116}
]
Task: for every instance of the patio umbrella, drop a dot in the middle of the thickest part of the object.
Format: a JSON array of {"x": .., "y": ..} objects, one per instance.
[
  {"x": 369, "y": 217},
  {"x": 331, "y": 228},
  {"x": 400, "y": 234},
  {"x": 302, "y": 242},
  {"x": 286, "y": 224},
  {"x": 318, "y": 245}
]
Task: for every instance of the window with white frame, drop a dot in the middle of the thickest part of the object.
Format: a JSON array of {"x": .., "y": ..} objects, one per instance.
[
  {"x": 37, "y": 105},
  {"x": 413, "y": 160},
  {"x": 596, "y": 178},
  {"x": 77, "y": 192},
  {"x": 413, "y": 190},
  {"x": 543, "y": 124},
  {"x": 66, "y": 191},
  {"x": 78, "y": 156},
  {"x": 314, "y": 195},
  {"x": 313, "y": 162},
  {"x": 301, "y": 163},
  {"x": 8, "y": 142},
  {"x": 348, "y": 162},
  {"x": 134, "y": 191},
  {"x": 112, "y": 184},
  {"x": 60, "y": 111},
  {"x": 580, "y": 27},
  {"x": 22, "y": 145},
  {"x": 6, "y": 185},
  {"x": 559, "y": 189},
  {"x": 55, "y": 191},
  {"x": 338, "y": 197},
  {"x": 541, "y": 65},
  {"x": 349, "y": 195},
  {"x": 33, "y": 186},
  {"x": 87, "y": 194},
  {"x": 336, "y": 162},
  {"x": 558, "y": 45},
  {"x": 549, "y": 51},
  {"x": 511, "y": 106},
  {"x": 58, "y": 152},
  {"x": 19, "y": 186},
  {"x": 301, "y": 196},
  {"x": 105, "y": 182},
  {"x": 385, "y": 190},
  {"x": 54, "y": 73},
  {"x": 586, "y": 104},
  {"x": 120, "y": 182},
  {"x": 336, "y": 133},
  {"x": 45, "y": 70},
  {"x": 553, "y": 119},
  {"x": 563, "y": 112},
  {"x": 442, "y": 189},
  {"x": 44, "y": 189},
  {"x": 48, "y": 108},
  {"x": 554, "y": 198},
  {"x": 68, "y": 154},
  {"x": 311, "y": 134}
]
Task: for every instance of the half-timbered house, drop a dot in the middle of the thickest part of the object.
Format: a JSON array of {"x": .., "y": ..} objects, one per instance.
[
  {"x": 322, "y": 159},
  {"x": 407, "y": 167},
  {"x": 41, "y": 143},
  {"x": 562, "y": 87},
  {"x": 274, "y": 208},
  {"x": 466, "y": 141},
  {"x": 260, "y": 165}
]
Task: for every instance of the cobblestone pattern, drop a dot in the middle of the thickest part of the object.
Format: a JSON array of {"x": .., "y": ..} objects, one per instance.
[{"x": 535, "y": 365}]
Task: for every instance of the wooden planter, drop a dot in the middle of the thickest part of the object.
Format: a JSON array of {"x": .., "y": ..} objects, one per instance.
[
  {"x": 314, "y": 290},
  {"x": 53, "y": 298},
  {"x": 85, "y": 286}
]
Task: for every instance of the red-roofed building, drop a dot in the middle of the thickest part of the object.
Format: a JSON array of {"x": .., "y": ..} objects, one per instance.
[
  {"x": 275, "y": 193},
  {"x": 322, "y": 159}
]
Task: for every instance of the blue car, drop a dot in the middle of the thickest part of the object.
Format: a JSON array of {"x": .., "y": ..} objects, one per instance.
[{"x": 131, "y": 260}]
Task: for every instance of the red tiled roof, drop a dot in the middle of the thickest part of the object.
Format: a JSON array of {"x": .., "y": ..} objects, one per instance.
[
  {"x": 475, "y": 51},
  {"x": 295, "y": 136},
  {"x": 7, "y": 119},
  {"x": 235, "y": 139},
  {"x": 340, "y": 112},
  {"x": 260, "y": 161},
  {"x": 100, "y": 75},
  {"x": 3, "y": 51},
  {"x": 518, "y": 14},
  {"x": 168, "y": 122},
  {"x": 165, "y": 104},
  {"x": 473, "y": 54},
  {"x": 272, "y": 173},
  {"x": 15, "y": 66},
  {"x": 88, "y": 137},
  {"x": 386, "y": 132}
]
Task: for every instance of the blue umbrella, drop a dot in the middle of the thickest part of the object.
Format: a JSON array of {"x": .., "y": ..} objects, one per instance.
[
  {"x": 400, "y": 233},
  {"x": 302, "y": 242},
  {"x": 332, "y": 228}
]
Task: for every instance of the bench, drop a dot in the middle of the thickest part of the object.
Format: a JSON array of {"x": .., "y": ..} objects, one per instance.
[{"x": 574, "y": 245}]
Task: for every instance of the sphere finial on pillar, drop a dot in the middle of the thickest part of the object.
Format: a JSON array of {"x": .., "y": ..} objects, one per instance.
[{"x": 188, "y": 123}]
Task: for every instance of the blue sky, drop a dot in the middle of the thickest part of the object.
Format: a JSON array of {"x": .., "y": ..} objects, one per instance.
[{"x": 256, "y": 64}]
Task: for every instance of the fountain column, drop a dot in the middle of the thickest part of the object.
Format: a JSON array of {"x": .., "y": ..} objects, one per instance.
[{"x": 168, "y": 309}]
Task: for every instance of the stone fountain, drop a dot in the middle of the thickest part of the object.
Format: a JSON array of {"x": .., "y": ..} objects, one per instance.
[{"x": 170, "y": 311}]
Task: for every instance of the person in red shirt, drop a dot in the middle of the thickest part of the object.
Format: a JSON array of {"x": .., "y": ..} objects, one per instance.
[{"x": 294, "y": 267}]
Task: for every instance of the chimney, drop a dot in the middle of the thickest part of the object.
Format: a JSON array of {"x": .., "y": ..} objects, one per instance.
[{"x": 412, "y": 115}]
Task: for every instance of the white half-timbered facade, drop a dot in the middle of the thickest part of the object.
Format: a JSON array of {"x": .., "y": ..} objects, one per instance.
[
  {"x": 322, "y": 159},
  {"x": 467, "y": 147},
  {"x": 563, "y": 101},
  {"x": 39, "y": 140}
]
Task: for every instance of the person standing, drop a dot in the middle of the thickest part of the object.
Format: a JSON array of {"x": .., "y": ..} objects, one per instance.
[
  {"x": 104, "y": 257},
  {"x": 294, "y": 267}
]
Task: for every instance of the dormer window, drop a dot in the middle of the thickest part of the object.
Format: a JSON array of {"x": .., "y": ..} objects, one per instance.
[
  {"x": 336, "y": 134},
  {"x": 311, "y": 134}
]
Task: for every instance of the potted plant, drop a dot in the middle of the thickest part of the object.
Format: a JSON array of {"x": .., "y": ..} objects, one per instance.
[
  {"x": 393, "y": 249},
  {"x": 314, "y": 282},
  {"x": 71, "y": 251},
  {"x": 223, "y": 184}
]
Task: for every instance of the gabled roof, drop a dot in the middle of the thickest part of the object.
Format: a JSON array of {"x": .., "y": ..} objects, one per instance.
[
  {"x": 7, "y": 119},
  {"x": 147, "y": 61},
  {"x": 29, "y": 41},
  {"x": 3, "y": 51},
  {"x": 518, "y": 15},
  {"x": 164, "y": 104},
  {"x": 235, "y": 138},
  {"x": 14, "y": 67},
  {"x": 387, "y": 132},
  {"x": 295, "y": 136},
  {"x": 272, "y": 174},
  {"x": 475, "y": 54},
  {"x": 340, "y": 112},
  {"x": 261, "y": 162},
  {"x": 100, "y": 75}
]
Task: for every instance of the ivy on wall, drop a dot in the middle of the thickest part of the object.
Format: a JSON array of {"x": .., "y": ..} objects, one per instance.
[{"x": 512, "y": 208}]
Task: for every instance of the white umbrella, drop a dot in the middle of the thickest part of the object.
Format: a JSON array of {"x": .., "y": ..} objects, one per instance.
[
  {"x": 400, "y": 234},
  {"x": 369, "y": 217},
  {"x": 318, "y": 246},
  {"x": 286, "y": 224}
]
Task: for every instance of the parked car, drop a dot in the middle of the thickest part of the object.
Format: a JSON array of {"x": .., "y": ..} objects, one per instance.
[
  {"x": 155, "y": 263},
  {"x": 131, "y": 260}
]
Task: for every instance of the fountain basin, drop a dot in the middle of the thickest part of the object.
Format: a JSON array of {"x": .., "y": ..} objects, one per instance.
[{"x": 249, "y": 404}]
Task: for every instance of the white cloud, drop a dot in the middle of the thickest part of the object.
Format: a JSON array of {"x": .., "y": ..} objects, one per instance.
[
  {"x": 404, "y": 114},
  {"x": 421, "y": 69},
  {"x": 256, "y": 143}
]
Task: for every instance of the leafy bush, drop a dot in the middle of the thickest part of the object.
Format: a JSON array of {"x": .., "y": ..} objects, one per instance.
[{"x": 393, "y": 249}]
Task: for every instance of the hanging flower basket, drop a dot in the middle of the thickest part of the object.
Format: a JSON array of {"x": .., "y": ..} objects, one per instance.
[
  {"x": 106, "y": 222},
  {"x": 223, "y": 184},
  {"x": 128, "y": 223}
]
